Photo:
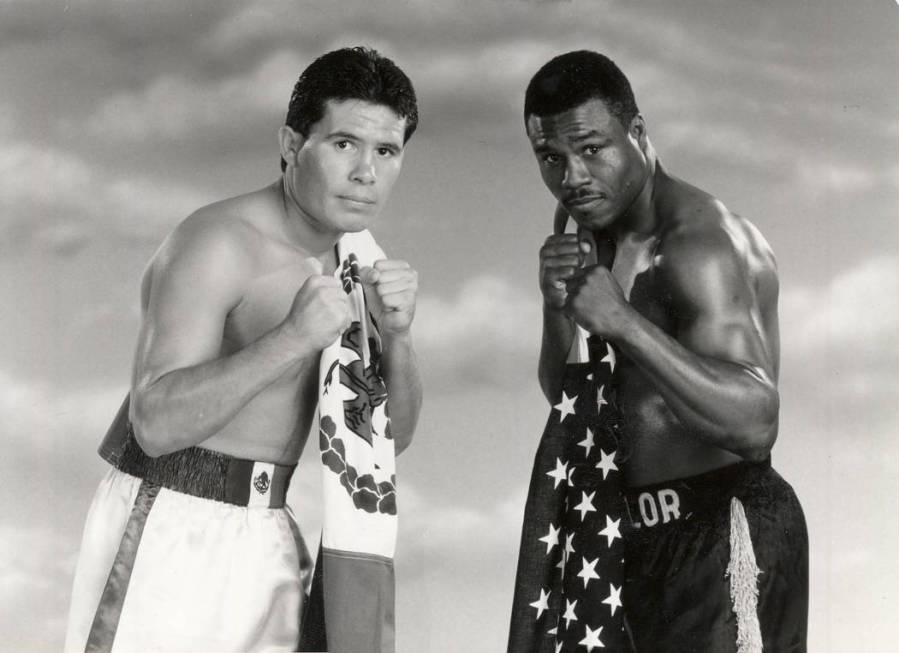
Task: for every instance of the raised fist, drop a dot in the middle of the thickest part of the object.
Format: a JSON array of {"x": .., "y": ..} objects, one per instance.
[
  {"x": 320, "y": 313},
  {"x": 390, "y": 289},
  {"x": 561, "y": 259}
]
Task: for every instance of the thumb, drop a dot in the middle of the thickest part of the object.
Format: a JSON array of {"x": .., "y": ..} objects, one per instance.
[
  {"x": 560, "y": 219},
  {"x": 368, "y": 275}
]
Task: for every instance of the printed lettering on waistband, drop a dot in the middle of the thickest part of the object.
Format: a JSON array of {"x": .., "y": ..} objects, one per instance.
[{"x": 659, "y": 507}]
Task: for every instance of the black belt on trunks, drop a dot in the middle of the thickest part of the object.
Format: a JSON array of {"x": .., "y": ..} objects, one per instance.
[
  {"x": 209, "y": 474},
  {"x": 664, "y": 503}
]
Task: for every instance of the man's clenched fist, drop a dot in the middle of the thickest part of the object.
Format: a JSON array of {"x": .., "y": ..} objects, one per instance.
[{"x": 390, "y": 289}]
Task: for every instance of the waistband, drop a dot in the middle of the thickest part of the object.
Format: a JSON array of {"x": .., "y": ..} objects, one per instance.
[
  {"x": 664, "y": 503},
  {"x": 209, "y": 474}
]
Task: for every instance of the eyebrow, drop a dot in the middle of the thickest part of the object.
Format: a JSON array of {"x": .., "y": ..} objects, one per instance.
[
  {"x": 588, "y": 136},
  {"x": 342, "y": 134},
  {"x": 542, "y": 141}
]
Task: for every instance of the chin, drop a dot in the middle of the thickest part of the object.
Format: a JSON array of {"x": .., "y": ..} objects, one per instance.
[
  {"x": 343, "y": 221},
  {"x": 355, "y": 222},
  {"x": 598, "y": 221},
  {"x": 592, "y": 222}
]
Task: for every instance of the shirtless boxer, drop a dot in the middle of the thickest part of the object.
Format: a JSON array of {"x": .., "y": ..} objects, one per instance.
[
  {"x": 685, "y": 292},
  {"x": 237, "y": 304}
]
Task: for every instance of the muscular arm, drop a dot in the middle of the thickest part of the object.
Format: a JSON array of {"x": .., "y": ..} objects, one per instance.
[
  {"x": 558, "y": 334},
  {"x": 391, "y": 287},
  {"x": 400, "y": 371},
  {"x": 714, "y": 372},
  {"x": 183, "y": 389},
  {"x": 561, "y": 258}
]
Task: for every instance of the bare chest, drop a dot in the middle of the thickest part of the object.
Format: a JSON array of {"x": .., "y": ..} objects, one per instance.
[
  {"x": 634, "y": 270},
  {"x": 265, "y": 305}
]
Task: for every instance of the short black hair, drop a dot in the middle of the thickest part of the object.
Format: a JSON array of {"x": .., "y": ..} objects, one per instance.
[
  {"x": 570, "y": 79},
  {"x": 357, "y": 73}
]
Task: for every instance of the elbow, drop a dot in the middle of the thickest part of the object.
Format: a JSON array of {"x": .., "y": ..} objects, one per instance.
[
  {"x": 402, "y": 445},
  {"x": 402, "y": 432},
  {"x": 759, "y": 438},
  {"x": 402, "y": 440},
  {"x": 551, "y": 388},
  {"x": 146, "y": 428}
]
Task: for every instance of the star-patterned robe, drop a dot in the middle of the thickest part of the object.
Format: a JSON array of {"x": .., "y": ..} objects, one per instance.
[{"x": 570, "y": 567}]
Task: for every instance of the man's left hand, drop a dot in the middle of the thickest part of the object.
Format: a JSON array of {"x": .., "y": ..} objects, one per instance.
[
  {"x": 597, "y": 302},
  {"x": 391, "y": 287}
]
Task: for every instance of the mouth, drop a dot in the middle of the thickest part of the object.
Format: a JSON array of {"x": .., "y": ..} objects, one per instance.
[
  {"x": 584, "y": 200},
  {"x": 355, "y": 199}
]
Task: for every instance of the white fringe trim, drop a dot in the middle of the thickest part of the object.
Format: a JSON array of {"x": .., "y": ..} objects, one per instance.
[{"x": 743, "y": 572}]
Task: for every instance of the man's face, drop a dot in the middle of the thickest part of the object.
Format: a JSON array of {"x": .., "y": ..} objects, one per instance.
[
  {"x": 591, "y": 163},
  {"x": 344, "y": 169}
]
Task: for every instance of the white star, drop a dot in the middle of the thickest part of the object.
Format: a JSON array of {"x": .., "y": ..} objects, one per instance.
[
  {"x": 588, "y": 571},
  {"x": 614, "y": 598},
  {"x": 591, "y": 639},
  {"x": 542, "y": 603},
  {"x": 587, "y": 443},
  {"x": 611, "y": 530},
  {"x": 590, "y": 376},
  {"x": 553, "y": 631},
  {"x": 609, "y": 357},
  {"x": 586, "y": 504},
  {"x": 566, "y": 406},
  {"x": 551, "y": 538},
  {"x": 559, "y": 474},
  {"x": 570, "y": 475},
  {"x": 606, "y": 463},
  {"x": 569, "y": 615},
  {"x": 558, "y": 647},
  {"x": 600, "y": 400}
]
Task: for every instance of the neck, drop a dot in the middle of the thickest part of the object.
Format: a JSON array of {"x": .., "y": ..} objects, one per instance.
[{"x": 302, "y": 229}]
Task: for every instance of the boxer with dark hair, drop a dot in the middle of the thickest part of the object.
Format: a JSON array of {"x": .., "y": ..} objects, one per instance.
[
  {"x": 257, "y": 311},
  {"x": 660, "y": 358}
]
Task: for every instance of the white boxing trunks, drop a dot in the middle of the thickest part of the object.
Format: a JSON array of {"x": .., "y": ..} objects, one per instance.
[{"x": 195, "y": 551}]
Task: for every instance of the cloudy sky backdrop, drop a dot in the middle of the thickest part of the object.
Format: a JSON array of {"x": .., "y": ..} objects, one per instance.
[{"x": 118, "y": 118}]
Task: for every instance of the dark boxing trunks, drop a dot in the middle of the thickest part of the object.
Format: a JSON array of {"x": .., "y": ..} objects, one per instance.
[{"x": 698, "y": 547}]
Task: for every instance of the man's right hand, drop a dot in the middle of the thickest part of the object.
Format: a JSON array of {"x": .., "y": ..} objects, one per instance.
[
  {"x": 320, "y": 313},
  {"x": 561, "y": 259}
]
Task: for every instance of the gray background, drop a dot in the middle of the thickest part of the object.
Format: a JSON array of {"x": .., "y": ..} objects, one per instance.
[{"x": 117, "y": 119}]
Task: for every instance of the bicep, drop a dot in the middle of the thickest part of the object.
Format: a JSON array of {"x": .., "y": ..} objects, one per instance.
[{"x": 190, "y": 292}]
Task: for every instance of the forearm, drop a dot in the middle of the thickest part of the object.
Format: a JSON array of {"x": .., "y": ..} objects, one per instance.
[
  {"x": 186, "y": 406},
  {"x": 400, "y": 371},
  {"x": 729, "y": 405},
  {"x": 558, "y": 334}
]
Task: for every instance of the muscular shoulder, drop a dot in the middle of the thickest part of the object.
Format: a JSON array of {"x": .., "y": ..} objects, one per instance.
[
  {"x": 709, "y": 256},
  {"x": 210, "y": 250}
]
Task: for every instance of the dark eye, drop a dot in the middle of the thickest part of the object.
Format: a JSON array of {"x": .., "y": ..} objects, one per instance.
[
  {"x": 342, "y": 145},
  {"x": 386, "y": 151},
  {"x": 592, "y": 149},
  {"x": 550, "y": 159}
]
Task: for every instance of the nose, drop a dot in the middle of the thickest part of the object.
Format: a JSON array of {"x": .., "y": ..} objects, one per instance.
[
  {"x": 364, "y": 170},
  {"x": 575, "y": 174}
]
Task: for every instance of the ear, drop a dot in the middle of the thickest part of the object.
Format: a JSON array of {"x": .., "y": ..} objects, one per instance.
[
  {"x": 290, "y": 142},
  {"x": 637, "y": 130}
]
